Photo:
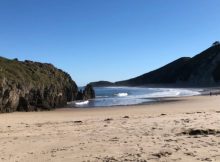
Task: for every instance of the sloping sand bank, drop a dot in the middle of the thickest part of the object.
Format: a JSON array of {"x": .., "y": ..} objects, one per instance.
[{"x": 185, "y": 130}]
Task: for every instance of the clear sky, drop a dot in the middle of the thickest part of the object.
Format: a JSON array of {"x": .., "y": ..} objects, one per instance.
[{"x": 107, "y": 39}]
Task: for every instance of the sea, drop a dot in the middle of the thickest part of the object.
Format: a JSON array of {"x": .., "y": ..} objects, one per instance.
[{"x": 124, "y": 96}]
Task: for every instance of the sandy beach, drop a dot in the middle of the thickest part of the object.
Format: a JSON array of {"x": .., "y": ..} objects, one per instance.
[{"x": 183, "y": 130}]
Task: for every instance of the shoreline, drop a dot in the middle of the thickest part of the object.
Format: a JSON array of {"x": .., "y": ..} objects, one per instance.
[
  {"x": 159, "y": 100},
  {"x": 164, "y": 102},
  {"x": 186, "y": 130},
  {"x": 156, "y": 101},
  {"x": 202, "y": 91}
]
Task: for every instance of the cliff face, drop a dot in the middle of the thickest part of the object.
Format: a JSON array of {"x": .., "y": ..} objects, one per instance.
[
  {"x": 203, "y": 69},
  {"x": 29, "y": 86},
  {"x": 200, "y": 70},
  {"x": 167, "y": 74}
]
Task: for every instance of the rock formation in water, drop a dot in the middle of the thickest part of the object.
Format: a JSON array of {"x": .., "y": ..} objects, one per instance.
[
  {"x": 79, "y": 95},
  {"x": 89, "y": 92},
  {"x": 86, "y": 94},
  {"x": 29, "y": 86}
]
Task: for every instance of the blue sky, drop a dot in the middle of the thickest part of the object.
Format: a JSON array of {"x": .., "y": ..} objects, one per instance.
[{"x": 107, "y": 39}]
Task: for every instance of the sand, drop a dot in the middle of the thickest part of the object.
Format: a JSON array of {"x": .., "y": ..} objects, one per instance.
[{"x": 184, "y": 130}]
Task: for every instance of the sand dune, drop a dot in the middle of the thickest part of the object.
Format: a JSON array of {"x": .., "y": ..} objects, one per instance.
[{"x": 185, "y": 130}]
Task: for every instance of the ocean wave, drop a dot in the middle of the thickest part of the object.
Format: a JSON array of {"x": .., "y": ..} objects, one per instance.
[
  {"x": 165, "y": 92},
  {"x": 82, "y": 103},
  {"x": 121, "y": 94},
  {"x": 102, "y": 96},
  {"x": 116, "y": 96}
]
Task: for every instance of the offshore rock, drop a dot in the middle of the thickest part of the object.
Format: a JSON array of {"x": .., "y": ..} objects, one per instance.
[
  {"x": 89, "y": 92},
  {"x": 86, "y": 94}
]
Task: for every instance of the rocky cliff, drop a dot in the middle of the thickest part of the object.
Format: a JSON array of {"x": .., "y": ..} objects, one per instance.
[
  {"x": 167, "y": 74},
  {"x": 29, "y": 86},
  {"x": 200, "y": 70}
]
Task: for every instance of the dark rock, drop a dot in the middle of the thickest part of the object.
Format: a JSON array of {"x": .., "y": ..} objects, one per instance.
[
  {"x": 89, "y": 92},
  {"x": 23, "y": 104},
  {"x": 79, "y": 95},
  {"x": 108, "y": 119},
  {"x": 78, "y": 122},
  {"x": 29, "y": 86},
  {"x": 163, "y": 153},
  {"x": 195, "y": 132},
  {"x": 126, "y": 117},
  {"x": 216, "y": 43},
  {"x": 86, "y": 94}
]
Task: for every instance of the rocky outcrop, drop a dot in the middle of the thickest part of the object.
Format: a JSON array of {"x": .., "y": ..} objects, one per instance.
[
  {"x": 29, "y": 86},
  {"x": 89, "y": 92},
  {"x": 80, "y": 95}
]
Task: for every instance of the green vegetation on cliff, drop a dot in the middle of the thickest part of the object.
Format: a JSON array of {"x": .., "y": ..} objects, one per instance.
[
  {"x": 32, "y": 73},
  {"x": 28, "y": 85}
]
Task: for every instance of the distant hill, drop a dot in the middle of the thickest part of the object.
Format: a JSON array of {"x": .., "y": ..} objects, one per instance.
[
  {"x": 102, "y": 84},
  {"x": 200, "y": 70}
]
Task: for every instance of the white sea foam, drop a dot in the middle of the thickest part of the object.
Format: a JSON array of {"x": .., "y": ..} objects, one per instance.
[
  {"x": 170, "y": 92},
  {"x": 121, "y": 94},
  {"x": 82, "y": 102},
  {"x": 116, "y": 87},
  {"x": 101, "y": 96}
]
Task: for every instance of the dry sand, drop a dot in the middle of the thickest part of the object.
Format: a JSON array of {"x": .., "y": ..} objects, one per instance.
[{"x": 186, "y": 130}]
